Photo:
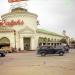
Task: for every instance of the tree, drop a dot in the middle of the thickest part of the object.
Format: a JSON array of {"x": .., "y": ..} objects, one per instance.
[
  {"x": 63, "y": 41},
  {"x": 73, "y": 42}
]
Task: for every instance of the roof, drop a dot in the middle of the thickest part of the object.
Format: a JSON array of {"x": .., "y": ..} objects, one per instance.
[
  {"x": 48, "y": 32},
  {"x": 9, "y": 29},
  {"x": 19, "y": 11}
]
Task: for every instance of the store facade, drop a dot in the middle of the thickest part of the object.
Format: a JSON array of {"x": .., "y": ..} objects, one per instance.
[{"x": 18, "y": 29}]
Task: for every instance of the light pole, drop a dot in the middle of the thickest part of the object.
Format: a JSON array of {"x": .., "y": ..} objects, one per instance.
[{"x": 15, "y": 38}]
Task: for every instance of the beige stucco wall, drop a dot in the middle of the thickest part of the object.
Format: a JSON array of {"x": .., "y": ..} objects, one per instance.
[
  {"x": 10, "y": 36},
  {"x": 29, "y": 20},
  {"x": 28, "y": 29}
]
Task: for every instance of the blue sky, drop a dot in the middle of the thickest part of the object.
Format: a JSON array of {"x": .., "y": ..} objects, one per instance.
[{"x": 53, "y": 15}]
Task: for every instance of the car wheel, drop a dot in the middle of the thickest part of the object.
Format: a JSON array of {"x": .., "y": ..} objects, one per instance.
[
  {"x": 43, "y": 54},
  {"x": 67, "y": 51},
  {"x": 61, "y": 54},
  {"x": 2, "y": 55}
]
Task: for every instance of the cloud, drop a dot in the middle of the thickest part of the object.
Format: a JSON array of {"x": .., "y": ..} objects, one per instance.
[{"x": 54, "y": 15}]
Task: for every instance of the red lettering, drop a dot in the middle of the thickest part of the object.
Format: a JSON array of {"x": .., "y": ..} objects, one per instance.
[
  {"x": 11, "y": 23},
  {"x": 18, "y": 22},
  {"x": 22, "y": 22},
  {"x": 1, "y": 23}
]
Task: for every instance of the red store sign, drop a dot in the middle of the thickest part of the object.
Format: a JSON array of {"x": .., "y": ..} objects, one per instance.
[{"x": 11, "y": 23}]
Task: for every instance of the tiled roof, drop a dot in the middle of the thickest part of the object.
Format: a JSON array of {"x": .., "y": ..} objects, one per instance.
[{"x": 48, "y": 32}]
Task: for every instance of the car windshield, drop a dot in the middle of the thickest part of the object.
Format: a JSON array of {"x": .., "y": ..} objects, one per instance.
[
  {"x": 59, "y": 47},
  {"x": 46, "y": 47},
  {"x": 43, "y": 47}
]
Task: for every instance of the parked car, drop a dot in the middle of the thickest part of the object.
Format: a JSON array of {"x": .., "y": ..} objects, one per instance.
[
  {"x": 7, "y": 49},
  {"x": 67, "y": 48},
  {"x": 44, "y": 50},
  {"x": 2, "y": 53}
]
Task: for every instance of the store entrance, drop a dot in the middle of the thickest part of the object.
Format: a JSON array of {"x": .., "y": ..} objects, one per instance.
[
  {"x": 26, "y": 43},
  {"x": 5, "y": 44}
]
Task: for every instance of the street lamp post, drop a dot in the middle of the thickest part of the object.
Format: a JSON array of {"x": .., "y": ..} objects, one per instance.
[{"x": 15, "y": 38}]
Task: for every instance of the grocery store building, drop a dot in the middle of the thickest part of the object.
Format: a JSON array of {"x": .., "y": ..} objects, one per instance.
[{"x": 18, "y": 29}]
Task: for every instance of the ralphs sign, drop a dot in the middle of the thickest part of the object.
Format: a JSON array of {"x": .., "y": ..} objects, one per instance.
[{"x": 11, "y": 23}]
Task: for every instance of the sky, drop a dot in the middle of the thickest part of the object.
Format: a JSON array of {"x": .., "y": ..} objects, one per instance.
[{"x": 53, "y": 15}]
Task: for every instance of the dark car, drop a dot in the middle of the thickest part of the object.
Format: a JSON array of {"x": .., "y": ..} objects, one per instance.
[
  {"x": 44, "y": 50},
  {"x": 2, "y": 53},
  {"x": 67, "y": 48}
]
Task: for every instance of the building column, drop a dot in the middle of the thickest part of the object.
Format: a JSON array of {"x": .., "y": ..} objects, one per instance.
[
  {"x": 21, "y": 43},
  {"x": 17, "y": 41},
  {"x": 12, "y": 40},
  {"x": 34, "y": 43}
]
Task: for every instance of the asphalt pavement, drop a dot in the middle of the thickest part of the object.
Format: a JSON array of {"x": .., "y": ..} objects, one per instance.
[{"x": 29, "y": 63}]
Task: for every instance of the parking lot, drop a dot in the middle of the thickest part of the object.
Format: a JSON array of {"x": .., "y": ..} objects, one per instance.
[{"x": 29, "y": 63}]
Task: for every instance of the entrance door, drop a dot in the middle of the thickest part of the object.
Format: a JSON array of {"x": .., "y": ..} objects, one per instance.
[
  {"x": 4, "y": 42},
  {"x": 26, "y": 43}
]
